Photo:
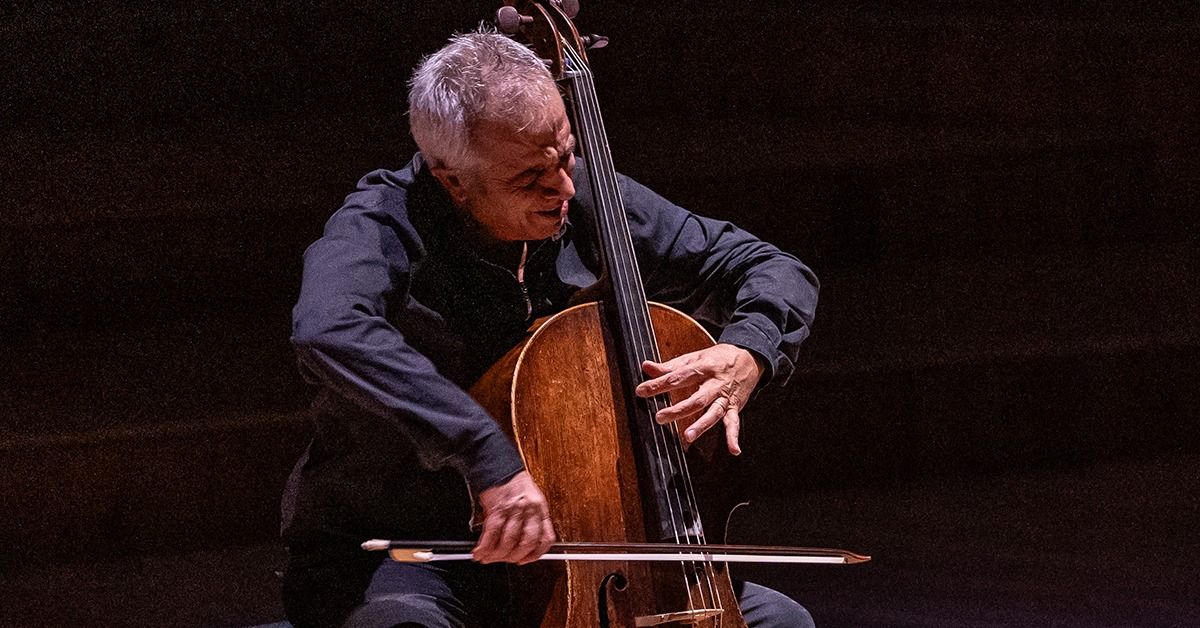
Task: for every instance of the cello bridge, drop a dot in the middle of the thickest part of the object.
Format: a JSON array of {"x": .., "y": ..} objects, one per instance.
[{"x": 684, "y": 617}]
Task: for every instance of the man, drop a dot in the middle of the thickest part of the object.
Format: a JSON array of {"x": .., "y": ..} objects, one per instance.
[{"x": 425, "y": 277}]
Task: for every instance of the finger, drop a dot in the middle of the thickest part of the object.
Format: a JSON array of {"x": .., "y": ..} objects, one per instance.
[
  {"x": 486, "y": 547},
  {"x": 548, "y": 535},
  {"x": 531, "y": 540},
  {"x": 526, "y": 541},
  {"x": 661, "y": 370},
  {"x": 695, "y": 404},
  {"x": 688, "y": 418},
  {"x": 733, "y": 426},
  {"x": 714, "y": 413},
  {"x": 678, "y": 378},
  {"x": 673, "y": 364},
  {"x": 510, "y": 538},
  {"x": 654, "y": 369},
  {"x": 544, "y": 538},
  {"x": 493, "y": 545}
]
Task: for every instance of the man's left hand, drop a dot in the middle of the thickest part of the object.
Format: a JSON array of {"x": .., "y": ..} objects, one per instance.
[{"x": 723, "y": 375}]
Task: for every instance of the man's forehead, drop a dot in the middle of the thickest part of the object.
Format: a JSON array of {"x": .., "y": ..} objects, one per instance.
[
  {"x": 549, "y": 131},
  {"x": 505, "y": 141}
]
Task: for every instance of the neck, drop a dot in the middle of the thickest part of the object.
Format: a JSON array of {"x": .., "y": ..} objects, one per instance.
[
  {"x": 485, "y": 246},
  {"x": 506, "y": 254}
]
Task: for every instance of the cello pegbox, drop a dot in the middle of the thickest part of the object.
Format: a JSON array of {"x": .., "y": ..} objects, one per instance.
[{"x": 543, "y": 26}]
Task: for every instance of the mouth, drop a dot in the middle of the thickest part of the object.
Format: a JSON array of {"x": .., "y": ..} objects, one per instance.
[{"x": 554, "y": 212}]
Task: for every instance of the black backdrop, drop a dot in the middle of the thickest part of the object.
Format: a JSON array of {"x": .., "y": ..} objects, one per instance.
[{"x": 999, "y": 201}]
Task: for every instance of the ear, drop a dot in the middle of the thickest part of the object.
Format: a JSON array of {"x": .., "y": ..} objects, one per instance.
[{"x": 453, "y": 183}]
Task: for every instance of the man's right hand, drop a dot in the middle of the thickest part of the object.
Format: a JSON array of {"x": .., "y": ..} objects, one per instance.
[{"x": 516, "y": 522}]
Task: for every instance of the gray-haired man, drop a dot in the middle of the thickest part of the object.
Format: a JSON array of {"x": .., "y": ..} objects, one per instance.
[{"x": 424, "y": 277}]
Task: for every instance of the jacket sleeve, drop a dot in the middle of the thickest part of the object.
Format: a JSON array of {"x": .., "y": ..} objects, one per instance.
[
  {"x": 344, "y": 340},
  {"x": 762, "y": 298}
]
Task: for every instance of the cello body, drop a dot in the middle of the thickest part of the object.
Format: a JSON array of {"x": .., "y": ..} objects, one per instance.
[{"x": 564, "y": 397}]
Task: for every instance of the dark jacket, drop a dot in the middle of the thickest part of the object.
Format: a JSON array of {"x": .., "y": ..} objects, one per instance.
[{"x": 398, "y": 313}]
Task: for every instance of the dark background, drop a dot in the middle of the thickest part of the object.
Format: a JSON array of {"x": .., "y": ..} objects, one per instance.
[{"x": 999, "y": 400}]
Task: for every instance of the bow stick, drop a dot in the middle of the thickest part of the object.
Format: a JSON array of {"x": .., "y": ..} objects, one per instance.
[{"x": 427, "y": 551}]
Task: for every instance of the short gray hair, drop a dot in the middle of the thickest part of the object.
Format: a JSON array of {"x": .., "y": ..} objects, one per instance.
[{"x": 477, "y": 76}]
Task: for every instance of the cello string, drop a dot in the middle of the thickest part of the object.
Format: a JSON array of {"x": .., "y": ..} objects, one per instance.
[
  {"x": 665, "y": 437},
  {"x": 606, "y": 197},
  {"x": 681, "y": 459},
  {"x": 638, "y": 325},
  {"x": 588, "y": 112},
  {"x": 669, "y": 435},
  {"x": 649, "y": 344}
]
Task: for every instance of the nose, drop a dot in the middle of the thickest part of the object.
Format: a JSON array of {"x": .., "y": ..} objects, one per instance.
[{"x": 559, "y": 186}]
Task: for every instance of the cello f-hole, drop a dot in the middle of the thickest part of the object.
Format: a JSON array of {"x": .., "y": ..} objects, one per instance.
[{"x": 614, "y": 607}]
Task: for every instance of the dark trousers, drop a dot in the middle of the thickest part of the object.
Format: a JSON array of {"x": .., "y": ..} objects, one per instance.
[{"x": 370, "y": 593}]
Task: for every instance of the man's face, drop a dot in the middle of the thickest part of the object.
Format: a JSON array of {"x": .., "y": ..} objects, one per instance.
[{"x": 521, "y": 183}]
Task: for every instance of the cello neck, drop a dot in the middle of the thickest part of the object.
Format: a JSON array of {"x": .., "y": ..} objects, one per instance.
[{"x": 627, "y": 294}]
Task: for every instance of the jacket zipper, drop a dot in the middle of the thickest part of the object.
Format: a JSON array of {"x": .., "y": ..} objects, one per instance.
[
  {"x": 519, "y": 276},
  {"x": 521, "y": 280}
]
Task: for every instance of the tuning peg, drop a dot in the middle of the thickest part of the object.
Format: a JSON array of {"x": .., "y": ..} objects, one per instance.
[
  {"x": 594, "y": 42},
  {"x": 570, "y": 8},
  {"x": 510, "y": 21}
]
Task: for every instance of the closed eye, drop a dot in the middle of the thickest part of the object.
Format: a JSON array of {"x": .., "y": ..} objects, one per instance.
[
  {"x": 529, "y": 178},
  {"x": 526, "y": 179}
]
